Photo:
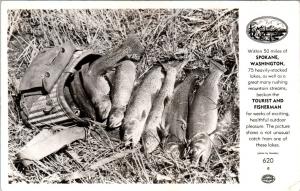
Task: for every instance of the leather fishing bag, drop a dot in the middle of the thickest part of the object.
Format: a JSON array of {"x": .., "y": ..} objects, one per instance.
[{"x": 44, "y": 94}]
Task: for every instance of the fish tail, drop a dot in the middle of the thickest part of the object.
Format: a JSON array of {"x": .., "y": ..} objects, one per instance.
[
  {"x": 216, "y": 65},
  {"x": 193, "y": 71}
]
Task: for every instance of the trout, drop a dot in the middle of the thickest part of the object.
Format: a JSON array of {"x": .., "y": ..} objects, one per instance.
[
  {"x": 140, "y": 104},
  {"x": 131, "y": 45},
  {"x": 175, "y": 115},
  {"x": 123, "y": 85},
  {"x": 151, "y": 135},
  {"x": 90, "y": 75},
  {"x": 203, "y": 116},
  {"x": 100, "y": 99}
]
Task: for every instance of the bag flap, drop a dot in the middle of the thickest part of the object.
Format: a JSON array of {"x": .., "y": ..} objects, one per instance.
[{"x": 46, "y": 67}]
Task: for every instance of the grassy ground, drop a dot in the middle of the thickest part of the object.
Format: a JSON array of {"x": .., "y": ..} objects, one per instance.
[{"x": 166, "y": 34}]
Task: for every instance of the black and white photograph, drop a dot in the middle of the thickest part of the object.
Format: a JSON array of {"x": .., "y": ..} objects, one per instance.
[{"x": 122, "y": 96}]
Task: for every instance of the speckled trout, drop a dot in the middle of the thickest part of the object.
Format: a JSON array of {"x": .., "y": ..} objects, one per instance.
[
  {"x": 101, "y": 99},
  {"x": 123, "y": 85},
  {"x": 151, "y": 137},
  {"x": 100, "y": 66},
  {"x": 175, "y": 115},
  {"x": 140, "y": 104},
  {"x": 203, "y": 115}
]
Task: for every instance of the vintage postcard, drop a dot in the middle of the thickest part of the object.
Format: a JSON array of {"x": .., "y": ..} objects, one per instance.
[{"x": 150, "y": 95}]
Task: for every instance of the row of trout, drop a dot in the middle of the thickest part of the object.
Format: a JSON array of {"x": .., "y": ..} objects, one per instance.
[{"x": 153, "y": 110}]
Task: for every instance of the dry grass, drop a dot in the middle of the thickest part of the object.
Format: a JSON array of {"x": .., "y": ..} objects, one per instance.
[{"x": 167, "y": 34}]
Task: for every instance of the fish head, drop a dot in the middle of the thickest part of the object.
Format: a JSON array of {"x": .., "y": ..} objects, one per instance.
[
  {"x": 132, "y": 132},
  {"x": 150, "y": 140},
  {"x": 103, "y": 108},
  {"x": 115, "y": 118},
  {"x": 175, "y": 147},
  {"x": 172, "y": 149},
  {"x": 137, "y": 49},
  {"x": 200, "y": 149}
]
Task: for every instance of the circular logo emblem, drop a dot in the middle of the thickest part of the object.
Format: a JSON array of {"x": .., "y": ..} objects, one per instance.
[
  {"x": 267, "y": 29},
  {"x": 268, "y": 178}
]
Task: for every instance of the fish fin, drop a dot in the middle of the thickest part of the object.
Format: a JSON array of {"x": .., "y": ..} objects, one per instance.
[
  {"x": 201, "y": 148},
  {"x": 167, "y": 100},
  {"x": 178, "y": 65},
  {"x": 163, "y": 130},
  {"x": 164, "y": 127},
  {"x": 184, "y": 123},
  {"x": 143, "y": 114},
  {"x": 162, "y": 133},
  {"x": 191, "y": 97}
]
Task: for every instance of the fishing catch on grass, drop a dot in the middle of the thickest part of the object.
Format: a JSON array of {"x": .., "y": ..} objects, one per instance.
[
  {"x": 140, "y": 104},
  {"x": 123, "y": 85},
  {"x": 175, "y": 115},
  {"x": 105, "y": 88},
  {"x": 203, "y": 115},
  {"x": 151, "y": 137}
]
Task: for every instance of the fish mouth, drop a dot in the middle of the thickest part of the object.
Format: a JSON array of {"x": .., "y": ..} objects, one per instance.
[
  {"x": 176, "y": 149},
  {"x": 200, "y": 150},
  {"x": 102, "y": 116},
  {"x": 132, "y": 132},
  {"x": 150, "y": 142},
  {"x": 130, "y": 140},
  {"x": 103, "y": 112},
  {"x": 115, "y": 121},
  {"x": 172, "y": 149}
]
